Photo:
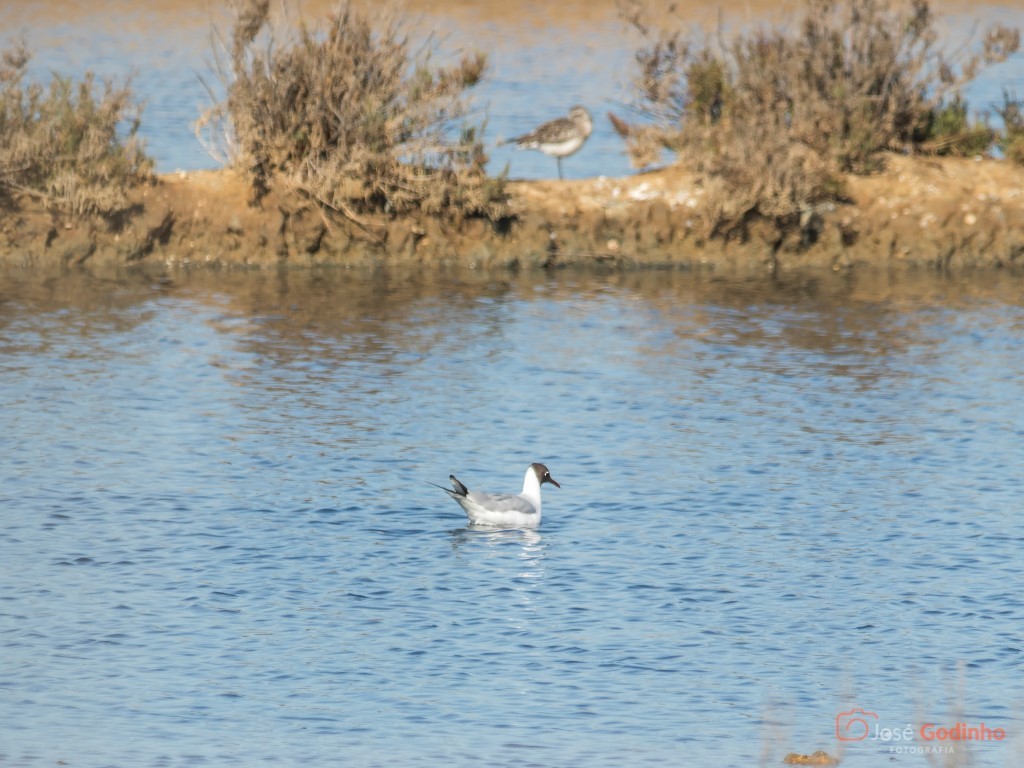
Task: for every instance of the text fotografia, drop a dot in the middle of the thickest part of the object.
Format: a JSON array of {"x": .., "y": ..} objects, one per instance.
[{"x": 861, "y": 725}]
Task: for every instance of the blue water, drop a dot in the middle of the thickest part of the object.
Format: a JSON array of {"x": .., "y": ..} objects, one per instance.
[{"x": 779, "y": 502}]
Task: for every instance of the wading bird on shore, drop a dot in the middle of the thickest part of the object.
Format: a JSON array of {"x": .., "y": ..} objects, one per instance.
[{"x": 558, "y": 138}]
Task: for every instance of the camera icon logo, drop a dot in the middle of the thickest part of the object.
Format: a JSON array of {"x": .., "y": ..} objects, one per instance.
[{"x": 854, "y": 725}]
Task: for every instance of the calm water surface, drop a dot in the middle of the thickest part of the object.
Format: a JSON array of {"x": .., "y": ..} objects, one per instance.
[{"x": 779, "y": 502}]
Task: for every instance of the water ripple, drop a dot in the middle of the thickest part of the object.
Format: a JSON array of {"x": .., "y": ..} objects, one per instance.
[{"x": 219, "y": 547}]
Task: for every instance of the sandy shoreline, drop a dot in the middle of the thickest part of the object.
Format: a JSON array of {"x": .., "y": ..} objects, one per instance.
[{"x": 939, "y": 213}]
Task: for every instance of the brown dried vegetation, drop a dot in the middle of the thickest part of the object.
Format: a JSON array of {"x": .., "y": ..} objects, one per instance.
[
  {"x": 770, "y": 119},
  {"x": 346, "y": 115},
  {"x": 67, "y": 145}
]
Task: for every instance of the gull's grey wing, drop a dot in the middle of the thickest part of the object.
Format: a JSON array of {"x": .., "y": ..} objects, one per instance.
[{"x": 502, "y": 502}]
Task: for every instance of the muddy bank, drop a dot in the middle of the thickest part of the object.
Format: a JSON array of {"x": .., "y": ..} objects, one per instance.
[{"x": 938, "y": 213}]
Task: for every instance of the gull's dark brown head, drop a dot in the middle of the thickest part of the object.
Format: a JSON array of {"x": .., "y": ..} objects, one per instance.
[{"x": 543, "y": 475}]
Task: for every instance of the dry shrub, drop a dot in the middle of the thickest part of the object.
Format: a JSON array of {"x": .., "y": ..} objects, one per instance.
[
  {"x": 1011, "y": 141},
  {"x": 770, "y": 119},
  {"x": 65, "y": 144},
  {"x": 346, "y": 115}
]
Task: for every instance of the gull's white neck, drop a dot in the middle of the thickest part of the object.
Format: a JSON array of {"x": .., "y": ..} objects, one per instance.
[{"x": 531, "y": 488}]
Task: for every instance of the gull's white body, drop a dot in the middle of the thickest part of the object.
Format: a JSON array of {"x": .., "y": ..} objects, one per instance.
[{"x": 506, "y": 510}]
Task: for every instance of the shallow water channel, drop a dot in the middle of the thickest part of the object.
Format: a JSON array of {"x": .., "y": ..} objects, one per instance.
[{"x": 781, "y": 501}]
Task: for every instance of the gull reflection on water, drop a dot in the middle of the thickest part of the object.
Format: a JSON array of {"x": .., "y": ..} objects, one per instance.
[
  {"x": 492, "y": 536},
  {"x": 531, "y": 543}
]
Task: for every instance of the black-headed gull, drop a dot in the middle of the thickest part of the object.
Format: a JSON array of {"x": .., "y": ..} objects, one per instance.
[{"x": 509, "y": 510}]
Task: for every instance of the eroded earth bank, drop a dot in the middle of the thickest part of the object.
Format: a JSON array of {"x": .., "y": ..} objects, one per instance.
[{"x": 933, "y": 212}]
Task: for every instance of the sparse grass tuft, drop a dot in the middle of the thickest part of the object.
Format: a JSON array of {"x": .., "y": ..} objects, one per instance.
[
  {"x": 771, "y": 118},
  {"x": 345, "y": 114},
  {"x": 1011, "y": 141},
  {"x": 72, "y": 145},
  {"x": 950, "y": 131}
]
